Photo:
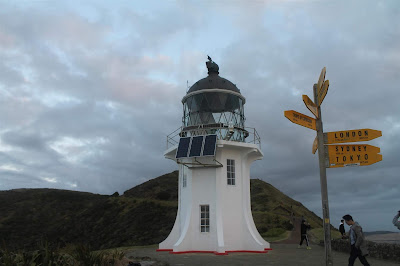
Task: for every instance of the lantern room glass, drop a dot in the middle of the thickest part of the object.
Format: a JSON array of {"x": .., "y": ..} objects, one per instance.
[{"x": 216, "y": 111}]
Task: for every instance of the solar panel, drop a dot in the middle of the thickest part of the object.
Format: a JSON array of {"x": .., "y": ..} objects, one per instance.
[
  {"x": 195, "y": 147},
  {"x": 209, "y": 145},
  {"x": 183, "y": 147}
]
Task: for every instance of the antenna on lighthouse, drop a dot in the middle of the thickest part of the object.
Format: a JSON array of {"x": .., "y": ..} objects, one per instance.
[{"x": 187, "y": 85}]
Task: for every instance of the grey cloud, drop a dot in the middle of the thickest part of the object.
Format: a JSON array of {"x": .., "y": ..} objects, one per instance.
[{"x": 106, "y": 88}]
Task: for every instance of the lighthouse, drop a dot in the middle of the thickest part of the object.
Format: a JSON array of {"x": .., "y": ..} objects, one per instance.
[{"x": 214, "y": 151}]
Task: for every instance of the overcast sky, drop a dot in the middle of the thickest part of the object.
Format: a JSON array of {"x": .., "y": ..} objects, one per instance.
[{"x": 88, "y": 92}]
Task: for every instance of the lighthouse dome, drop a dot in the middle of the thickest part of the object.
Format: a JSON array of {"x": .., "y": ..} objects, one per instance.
[
  {"x": 211, "y": 82},
  {"x": 214, "y": 103}
]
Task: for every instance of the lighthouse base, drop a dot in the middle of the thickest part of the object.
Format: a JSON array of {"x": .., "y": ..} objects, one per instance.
[{"x": 214, "y": 210}]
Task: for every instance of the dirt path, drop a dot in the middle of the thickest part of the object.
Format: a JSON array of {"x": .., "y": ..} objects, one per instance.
[{"x": 294, "y": 237}]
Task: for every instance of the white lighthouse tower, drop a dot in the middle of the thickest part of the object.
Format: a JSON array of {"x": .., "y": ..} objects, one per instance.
[{"x": 214, "y": 152}]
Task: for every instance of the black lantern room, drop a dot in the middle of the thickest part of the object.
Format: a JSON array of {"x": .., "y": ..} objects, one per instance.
[{"x": 214, "y": 105}]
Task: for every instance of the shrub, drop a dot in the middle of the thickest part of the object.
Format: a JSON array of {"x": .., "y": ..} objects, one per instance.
[
  {"x": 163, "y": 195},
  {"x": 83, "y": 255},
  {"x": 45, "y": 255},
  {"x": 274, "y": 232}
]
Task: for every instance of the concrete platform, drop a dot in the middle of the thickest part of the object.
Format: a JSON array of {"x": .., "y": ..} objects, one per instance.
[{"x": 282, "y": 254}]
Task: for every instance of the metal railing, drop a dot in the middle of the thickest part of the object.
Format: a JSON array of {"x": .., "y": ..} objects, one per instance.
[
  {"x": 173, "y": 138},
  {"x": 250, "y": 134}
]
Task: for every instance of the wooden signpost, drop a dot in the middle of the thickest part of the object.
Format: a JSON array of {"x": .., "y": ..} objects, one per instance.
[
  {"x": 354, "y": 135},
  {"x": 322, "y": 93},
  {"x": 310, "y": 105},
  {"x": 333, "y": 156},
  {"x": 300, "y": 119},
  {"x": 352, "y": 155},
  {"x": 335, "y": 150},
  {"x": 315, "y": 145}
]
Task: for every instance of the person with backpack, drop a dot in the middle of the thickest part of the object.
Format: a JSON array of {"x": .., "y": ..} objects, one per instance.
[{"x": 303, "y": 228}]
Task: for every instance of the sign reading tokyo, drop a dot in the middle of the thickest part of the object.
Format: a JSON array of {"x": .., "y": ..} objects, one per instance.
[
  {"x": 351, "y": 136},
  {"x": 357, "y": 159},
  {"x": 301, "y": 119}
]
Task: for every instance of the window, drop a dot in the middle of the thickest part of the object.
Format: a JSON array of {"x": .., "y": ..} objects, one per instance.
[
  {"x": 204, "y": 218},
  {"x": 230, "y": 165}
]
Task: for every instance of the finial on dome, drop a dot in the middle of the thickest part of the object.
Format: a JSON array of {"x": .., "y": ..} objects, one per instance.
[{"x": 212, "y": 66}]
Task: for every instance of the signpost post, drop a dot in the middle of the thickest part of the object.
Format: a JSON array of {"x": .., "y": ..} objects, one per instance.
[{"x": 323, "y": 181}]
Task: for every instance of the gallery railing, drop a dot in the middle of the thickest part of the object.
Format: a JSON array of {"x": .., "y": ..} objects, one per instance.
[{"x": 223, "y": 131}]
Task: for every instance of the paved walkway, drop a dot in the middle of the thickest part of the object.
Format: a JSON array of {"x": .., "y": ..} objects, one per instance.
[{"x": 282, "y": 254}]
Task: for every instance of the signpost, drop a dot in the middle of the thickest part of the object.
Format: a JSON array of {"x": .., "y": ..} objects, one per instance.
[
  {"x": 352, "y": 155},
  {"x": 354, "y": 135},
  {"x": 321, "y": 80},
  {"x": 335, "y": 150},
  {"x": 333, "y": 156},
  {"x": 310, "y": 105},
  {"x": 315, "y": 145},
  {"x": 355, "y": 159},
  {"x": 323, "y": 181},
  {"x": 300, "y": 119},
  {"x": 323, "y": 92}
]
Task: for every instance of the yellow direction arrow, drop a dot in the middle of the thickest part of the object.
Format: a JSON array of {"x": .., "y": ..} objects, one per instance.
[
  {"x": 321, "y": 79},
  {"x": 315, "y": 145},
  {"x": 356, "y": 159},
  {"x": 322, "y": 93},
  {"x": 349, "y": 149},
  {"x": 301, "y": 119},
  {"x": 310, "y": 105},
  {"x": 351, "y": 135}
]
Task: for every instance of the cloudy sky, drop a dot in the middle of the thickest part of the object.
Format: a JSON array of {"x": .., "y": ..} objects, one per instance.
[{"x": 88, "y": 92}]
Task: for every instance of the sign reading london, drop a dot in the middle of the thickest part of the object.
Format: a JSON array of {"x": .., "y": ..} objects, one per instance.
[
  {"x": 351, "y": 136},
  {"x": 301, "y": 119}
]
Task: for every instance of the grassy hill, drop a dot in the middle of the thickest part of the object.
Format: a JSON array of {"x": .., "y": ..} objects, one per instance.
[{"x": 143, "y": 215}]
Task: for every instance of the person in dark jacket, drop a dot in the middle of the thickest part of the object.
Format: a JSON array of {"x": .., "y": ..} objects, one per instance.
[
  {"x": 303, "y": 229},
  {"x": 341, "y": 228},
  {"x": 357, "y": 241}
]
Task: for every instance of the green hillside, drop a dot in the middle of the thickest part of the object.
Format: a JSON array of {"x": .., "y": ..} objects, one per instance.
[{"x": 143, "y": 215}]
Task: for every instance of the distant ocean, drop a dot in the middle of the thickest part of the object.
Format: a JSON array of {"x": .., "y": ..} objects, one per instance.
[{"x": 392, "y": 238}]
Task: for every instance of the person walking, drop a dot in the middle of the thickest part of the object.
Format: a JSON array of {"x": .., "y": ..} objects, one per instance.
[
  {"x": 396, "y": 221},
  {"x": 341, "y": 228},
  {"x": 303, "y": 228},
  {"x": 357, "y": 241}
]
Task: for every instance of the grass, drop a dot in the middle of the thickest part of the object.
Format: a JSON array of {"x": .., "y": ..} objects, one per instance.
[
  {"x": 280, "y": 237},
  {"x": 317, "y": 234},
  {"x": 129, "y": 248}
]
